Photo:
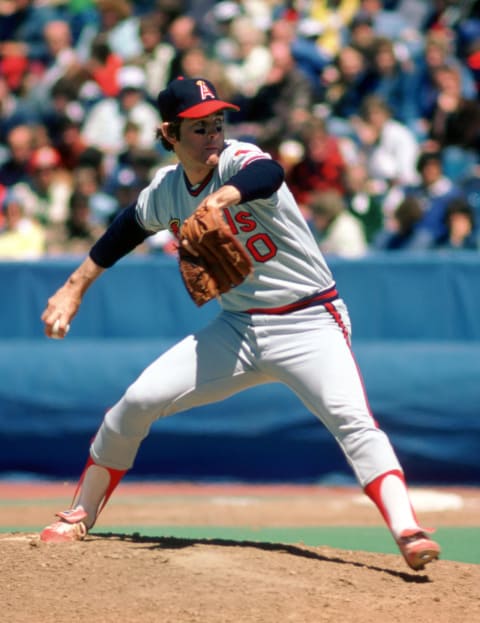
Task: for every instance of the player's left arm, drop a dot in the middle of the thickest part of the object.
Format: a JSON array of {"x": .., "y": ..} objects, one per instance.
[{"x": 256, "y": 180}]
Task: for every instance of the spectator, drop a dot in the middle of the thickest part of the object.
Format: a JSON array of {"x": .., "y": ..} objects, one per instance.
[
  {"x": 338, "y": 232},
  {"x": 103, "y": 66},
  {"x": 21, "y": 144},
  {"x": 322, "y": 165},
  {"x": 131, "y": 133},
  {"x": 400, "y": 232},
  {"x": 434, "y": 191},
  {"x": 193, "y": 62},
  {"x": 140, "y": 161},
  {"x": 105, "y": 123},
  {"x": 22, "y": 24},
  {"x": 45, "y": 197},
  {"x": 473, "y": 62},
  {"x": 116, "y": 19},
  {"x": 171, "y": 9},
  {"x": 361, "y": 199},
  {"x": 183, "y": 34},
  {"x": 156, "y": 55},
  {"x": 393, "y": 81},
  {"x": 310, "y": 58},
  {"x": 248, "y": 70},
  {"x": 283, "y": 29},
  {"x": 62, "y": 58},
  {"x": 455, "y": 124},
  {"x": 281, "y": 105},
  {"x": 8, "y": 104},
  {"x": 347, "y": 82},
  {"x": 61, "y": 102},
  {"x": 69, "y": 143},
  {"x": 327, "y": 59},
  {"x": 334, "y": 16},
  {"x": 124, "y": 188},
  {"x": 217, "y": 24},
  {"x": 88, "y": 182},
  {"x": 15, "y": 69},
  {"x": 21, "y": 237},
  {"x": 362, "y": 35},
  {"x": 436, "y": 53},
  {"x": 390, "y": 148},
  {"x": 80, "y": 230},
  {"x": 413, "y": 12},
  {"x": 449, "y": 17},
  {"x": 461, "y": 227},
  {"x": 14, "y": 108},
  {"x": 95, "y": 159},
  {"x": 388, "y": 23}
]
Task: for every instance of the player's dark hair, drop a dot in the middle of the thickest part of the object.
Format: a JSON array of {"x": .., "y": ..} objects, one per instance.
[{"x": 173, "y": 130}]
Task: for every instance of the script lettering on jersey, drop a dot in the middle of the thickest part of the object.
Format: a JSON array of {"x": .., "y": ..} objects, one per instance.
[
  {"x": 260, "y": 245},
  {"x": 174, "y": 227}
]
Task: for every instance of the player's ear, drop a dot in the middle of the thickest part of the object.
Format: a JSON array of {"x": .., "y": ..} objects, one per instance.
[{"x": 168, "y": 132}]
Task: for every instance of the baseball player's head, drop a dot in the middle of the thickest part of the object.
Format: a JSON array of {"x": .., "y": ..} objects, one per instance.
[{"x": 187, "y": 99}]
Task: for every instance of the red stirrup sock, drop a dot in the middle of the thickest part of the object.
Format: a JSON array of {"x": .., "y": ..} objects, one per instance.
[
  {"x": 95, "y": 487},
  {"x": 389, "y": 493}
]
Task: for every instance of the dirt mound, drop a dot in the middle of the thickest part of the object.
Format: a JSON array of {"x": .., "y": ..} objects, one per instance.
[{"x": 115, "y": 578}]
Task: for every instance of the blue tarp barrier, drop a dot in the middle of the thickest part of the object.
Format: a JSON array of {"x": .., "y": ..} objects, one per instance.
[{"x": 416, "y": 328}]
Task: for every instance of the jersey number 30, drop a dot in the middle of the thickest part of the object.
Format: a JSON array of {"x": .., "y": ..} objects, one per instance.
[{"x": 260, "y": 245}]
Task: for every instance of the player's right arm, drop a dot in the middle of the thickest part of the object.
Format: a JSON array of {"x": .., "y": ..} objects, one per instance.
[
  {"x": 121, "y": 237},
  {"x": 63, "y": 305}
]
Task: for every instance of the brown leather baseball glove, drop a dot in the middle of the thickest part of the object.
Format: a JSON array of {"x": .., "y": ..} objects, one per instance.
[{"x": 221, "y": 264}]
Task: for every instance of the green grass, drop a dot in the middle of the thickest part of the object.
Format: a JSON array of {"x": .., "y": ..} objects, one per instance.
[{"x": 461, "y": 544}]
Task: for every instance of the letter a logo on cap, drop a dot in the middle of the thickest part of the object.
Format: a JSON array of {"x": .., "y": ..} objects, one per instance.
[
  {"x": 190, "y": 98},
  {"x": 205, "y": 91}
]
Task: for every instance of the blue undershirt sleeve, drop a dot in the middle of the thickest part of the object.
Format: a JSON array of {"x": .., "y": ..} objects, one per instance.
[
  {"x": 121, "y": 237},
  {"x": 258, "y": 180}
]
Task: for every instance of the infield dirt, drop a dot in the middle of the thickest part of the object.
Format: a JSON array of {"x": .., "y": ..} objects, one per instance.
[{"x": 142, "y": 579}]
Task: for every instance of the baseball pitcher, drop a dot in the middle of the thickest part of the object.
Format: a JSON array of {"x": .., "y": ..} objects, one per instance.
[{"x": 242, "y": 239}]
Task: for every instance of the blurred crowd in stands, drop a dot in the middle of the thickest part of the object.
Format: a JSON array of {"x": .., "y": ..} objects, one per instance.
[{"x": 373, "y": 109}]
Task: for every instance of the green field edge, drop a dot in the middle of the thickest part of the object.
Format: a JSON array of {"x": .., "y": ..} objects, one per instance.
[{"x": 460, "y": 544}]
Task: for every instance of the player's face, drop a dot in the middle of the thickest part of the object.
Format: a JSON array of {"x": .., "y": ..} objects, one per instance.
[{"x": 201, "y": 142}]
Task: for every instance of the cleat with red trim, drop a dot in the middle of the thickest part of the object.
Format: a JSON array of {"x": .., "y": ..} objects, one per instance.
[
  {"x": 417, "y": 548},
  {"x": 71, "y": 527}
]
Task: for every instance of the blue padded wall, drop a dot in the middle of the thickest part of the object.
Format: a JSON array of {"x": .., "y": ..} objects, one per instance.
[{"x": 416, "y": 335}]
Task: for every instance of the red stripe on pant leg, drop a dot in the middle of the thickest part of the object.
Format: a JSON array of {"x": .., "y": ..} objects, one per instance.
[{"x": 330, "y": 307}]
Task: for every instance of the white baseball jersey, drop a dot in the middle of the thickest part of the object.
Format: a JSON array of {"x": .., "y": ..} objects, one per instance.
[{"x": 288, "y": 265}]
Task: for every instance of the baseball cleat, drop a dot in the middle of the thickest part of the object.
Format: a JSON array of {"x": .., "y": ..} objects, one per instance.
[
  {"x": 70, "y": 527},
  {"x": 417, "y": 549}
]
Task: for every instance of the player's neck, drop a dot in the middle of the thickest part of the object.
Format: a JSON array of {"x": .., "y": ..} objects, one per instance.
[
  {"x": 196, "y": 176},
  {"x": 199, "y": 186}
]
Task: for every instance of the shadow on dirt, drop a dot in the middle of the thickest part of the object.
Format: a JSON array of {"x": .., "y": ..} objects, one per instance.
[{"x": 169, "y": 542}]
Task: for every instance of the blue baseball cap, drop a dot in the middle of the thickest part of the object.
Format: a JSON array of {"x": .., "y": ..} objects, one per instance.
[{"x": 190, "y": 98}]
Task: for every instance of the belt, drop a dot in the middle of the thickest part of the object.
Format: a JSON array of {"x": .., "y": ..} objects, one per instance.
[{"x": 319, "y": 298}]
